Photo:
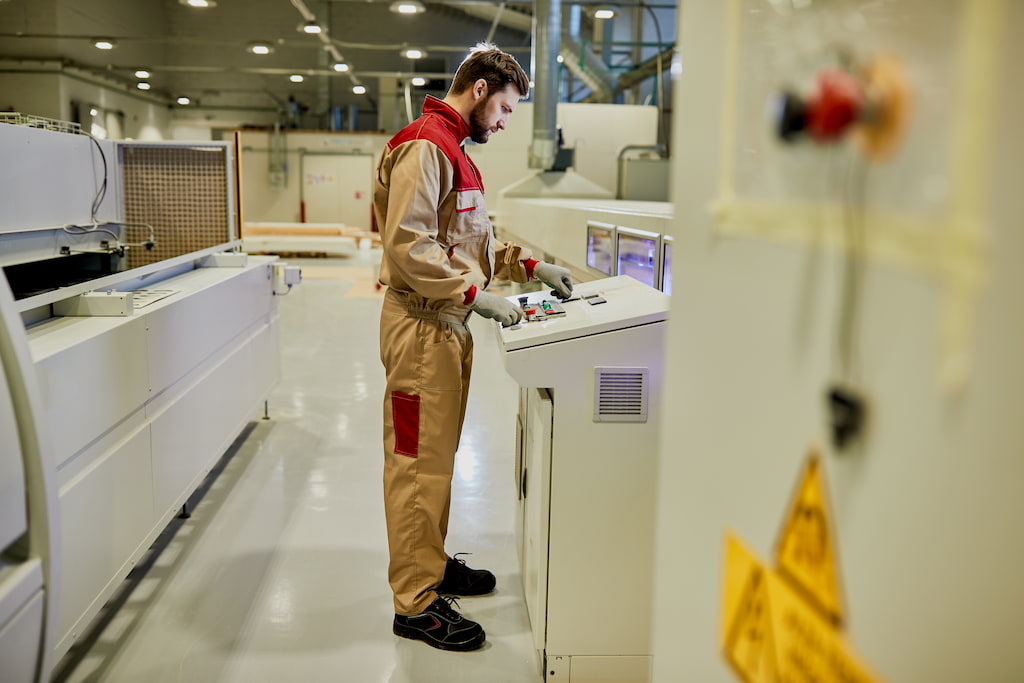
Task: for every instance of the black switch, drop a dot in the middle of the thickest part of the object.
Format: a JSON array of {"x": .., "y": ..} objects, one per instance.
[{"x": 847, "y": 413}]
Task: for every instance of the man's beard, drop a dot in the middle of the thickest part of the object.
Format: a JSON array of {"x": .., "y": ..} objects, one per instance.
[{"x": 479, "y": 131}]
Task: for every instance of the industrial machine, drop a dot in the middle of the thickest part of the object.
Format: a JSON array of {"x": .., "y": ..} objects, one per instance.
[
  {"x": 589, "y": 370},
  {"x": 153, "y": 341},
  {"x": 28, "y": 531}
]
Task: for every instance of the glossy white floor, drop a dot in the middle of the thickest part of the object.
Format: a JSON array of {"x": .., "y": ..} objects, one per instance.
[{"x": 280, "y": 573}]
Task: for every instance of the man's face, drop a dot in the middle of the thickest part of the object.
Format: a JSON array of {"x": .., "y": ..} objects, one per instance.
[{"x": 490, "y": 114}]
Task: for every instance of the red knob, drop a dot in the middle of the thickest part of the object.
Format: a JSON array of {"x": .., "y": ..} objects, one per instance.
[{"x": 835, "y": 106}]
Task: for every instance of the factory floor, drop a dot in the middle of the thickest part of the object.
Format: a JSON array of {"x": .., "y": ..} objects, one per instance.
[{"x": 280, "y": 573}]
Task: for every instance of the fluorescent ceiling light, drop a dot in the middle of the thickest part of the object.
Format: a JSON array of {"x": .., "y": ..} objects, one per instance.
[
  {"x": 142, "y": 85},
  {"x": 419, "y": 80},
  {"x": 141, "y": 73},
  {"x": 260, "y": 48},
  {"x": 340, "y": 66},
  {"x": 198, "y": 3},
  {"x": 407, "y": 7},
  {"x": 104, "y": 43},
  {"x": 296, "y": 78},
  {"x": 184, "y": 100},
  {"x": 359, "y": 89},
  {"x": 605, "y": 11},
  {"x": 414, "y": 53},
  {"x": 311, "y": 27}
]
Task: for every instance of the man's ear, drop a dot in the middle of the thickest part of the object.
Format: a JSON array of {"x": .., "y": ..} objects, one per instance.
[{"x": 479, "y": 89}]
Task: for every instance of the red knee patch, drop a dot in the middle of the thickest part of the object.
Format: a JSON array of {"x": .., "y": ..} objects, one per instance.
[{"x": 405, "y": 410}]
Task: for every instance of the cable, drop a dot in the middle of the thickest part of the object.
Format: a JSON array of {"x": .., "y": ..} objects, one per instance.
[
  {"x": 84, "y": 230},
  {"x": 659, "y": 80},
  {"x": 853, "y": 267},
  {"x": 102, "y": 192},
  {"x": 119, "y": 246}
]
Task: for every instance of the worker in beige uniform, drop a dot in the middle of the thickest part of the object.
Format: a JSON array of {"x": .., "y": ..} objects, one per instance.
[{"x": 439, "y": 255}]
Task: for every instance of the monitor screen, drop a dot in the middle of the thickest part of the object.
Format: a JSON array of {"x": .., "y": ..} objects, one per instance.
[
  {"x": 638, "y": 255},
  {"x": 666, "y": 266},
  {"x": 601, "y": 247}
]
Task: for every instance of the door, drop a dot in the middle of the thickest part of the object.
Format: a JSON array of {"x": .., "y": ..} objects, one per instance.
[
  {"x": 536, "y": 491},
  {"x": 338, "y": 188}
]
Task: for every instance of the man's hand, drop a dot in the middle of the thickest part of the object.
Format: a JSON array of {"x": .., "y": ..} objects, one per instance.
[
  {"x": 497, "y": 308},
  {"x": 554, "y": 276}
]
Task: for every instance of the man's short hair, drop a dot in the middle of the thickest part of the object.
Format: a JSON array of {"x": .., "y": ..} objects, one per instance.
[{"x": 499, "y": 69}]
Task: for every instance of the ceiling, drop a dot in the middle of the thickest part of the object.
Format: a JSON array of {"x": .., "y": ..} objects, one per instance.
[{"x": 202, "y": 53}]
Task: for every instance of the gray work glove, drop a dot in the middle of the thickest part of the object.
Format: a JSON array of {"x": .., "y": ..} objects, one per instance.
[
  {"x": 496, "y": 308},
  {"x": 554, "y": 276}
]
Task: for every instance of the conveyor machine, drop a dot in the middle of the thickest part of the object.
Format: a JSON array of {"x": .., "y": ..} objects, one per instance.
[
  {"x": 589, "y": 370},
  {"x": 152, "y": 341}
]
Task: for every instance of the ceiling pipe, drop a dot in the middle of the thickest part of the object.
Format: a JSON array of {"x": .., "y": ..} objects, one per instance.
[
  {"x": 325, "y": 39},
  {"x": 547, "y": 24}
]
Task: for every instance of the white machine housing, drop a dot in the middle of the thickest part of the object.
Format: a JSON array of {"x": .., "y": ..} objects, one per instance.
[{"x": 585, "y": 482}]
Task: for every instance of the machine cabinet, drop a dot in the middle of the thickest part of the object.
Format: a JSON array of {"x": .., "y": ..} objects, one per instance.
[{"x": 586, "y": 477}]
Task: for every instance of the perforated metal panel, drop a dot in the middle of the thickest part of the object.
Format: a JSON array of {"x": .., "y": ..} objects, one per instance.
[
  {"x": 620, "y": 394},
  {"x": 184, "y": 191}
]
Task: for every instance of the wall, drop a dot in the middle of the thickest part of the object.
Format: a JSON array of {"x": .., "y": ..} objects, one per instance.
[
  {"x": 926, "y": 508},
  {"x": 45, "y": 89},
  {"x": 261, "y": 202},
  {"x": 34, "y": 94},
  {"x": 596, "y": 131}
]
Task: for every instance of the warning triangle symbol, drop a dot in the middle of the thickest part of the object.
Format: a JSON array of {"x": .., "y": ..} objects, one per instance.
[
  {"x": 806, "y": 552},
  {"x": 749, "y": 645}
]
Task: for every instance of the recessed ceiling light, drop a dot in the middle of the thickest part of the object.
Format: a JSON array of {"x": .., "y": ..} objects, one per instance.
[
  {"x": 141, "y": 73},
  {"x": 419, "y": 80},
  {"x": 359, "y": 89},
  {"x": 198, "y": 3},
  {"x": 407, "y": 7},
  {"x": 142, "y": 85},
  {"x": 310, "y": 27},
  {"x": 184, "y": 100},
  {"x": 414, "y": 53},
  {"x": 340, "y": 66},
  {"x": 104, "y": 43},
  {"x": 93, "y": 111},
  {"x": 296, "y": 78},
  {"x": 260, "y": 48},
  {"x": 605, "y": 11}
]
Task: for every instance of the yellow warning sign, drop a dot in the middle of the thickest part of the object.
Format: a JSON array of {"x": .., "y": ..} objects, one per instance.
[
  {"x": 746, "y": 631},
  {"x": 806, "y": 552},
  {"x": 770, "y": 634}
]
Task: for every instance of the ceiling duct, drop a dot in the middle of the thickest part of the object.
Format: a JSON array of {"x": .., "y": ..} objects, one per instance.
[
  {"x": 589, "y": 69},
  {"x": 546, "y": 32}
]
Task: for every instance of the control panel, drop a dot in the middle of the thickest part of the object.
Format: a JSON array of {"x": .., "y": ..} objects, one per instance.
[{"x": 595, "y": 307}]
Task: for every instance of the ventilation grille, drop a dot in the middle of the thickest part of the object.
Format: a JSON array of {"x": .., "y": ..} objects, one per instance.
[{"x": 620, "y": 394}]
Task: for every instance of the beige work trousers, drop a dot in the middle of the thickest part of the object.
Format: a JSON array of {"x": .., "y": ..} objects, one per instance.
[{"x": 427, "y": 352}]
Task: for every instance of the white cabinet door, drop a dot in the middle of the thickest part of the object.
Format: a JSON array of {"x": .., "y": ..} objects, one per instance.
[
  {"x": 338, "y": 188},
  {"x": 536, "y": 488}
]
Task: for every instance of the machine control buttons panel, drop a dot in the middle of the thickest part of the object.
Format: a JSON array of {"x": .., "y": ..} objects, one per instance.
[{"x": 540, "y": 310}]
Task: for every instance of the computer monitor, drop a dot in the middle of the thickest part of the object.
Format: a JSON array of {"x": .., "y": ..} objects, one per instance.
[
  {"x": 639, "y": 255},
  {"x": 601, "y": 247},
  {"x": 666, "y": 264}
]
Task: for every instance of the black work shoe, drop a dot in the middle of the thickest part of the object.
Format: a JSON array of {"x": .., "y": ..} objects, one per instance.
[
  {"x": 461, "y": 580},
  {"x": 442, "y": 627}
]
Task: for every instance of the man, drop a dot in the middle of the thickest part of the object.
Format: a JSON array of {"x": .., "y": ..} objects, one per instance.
[{"x": 439, "y": 256}]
